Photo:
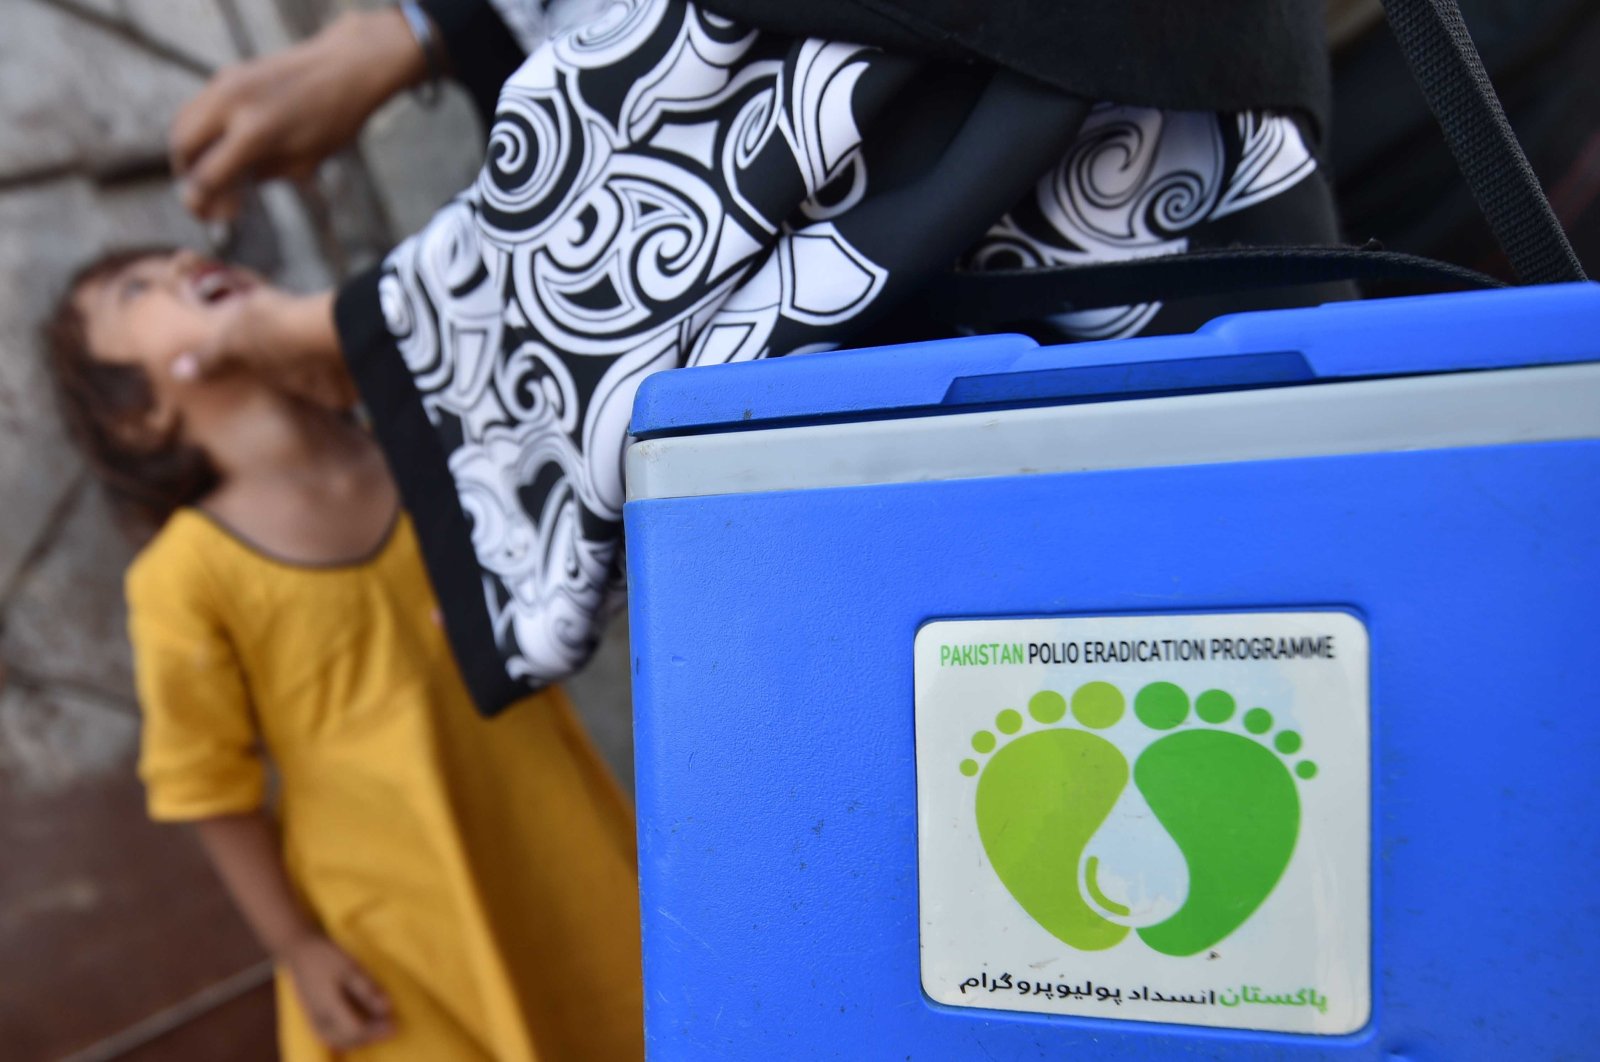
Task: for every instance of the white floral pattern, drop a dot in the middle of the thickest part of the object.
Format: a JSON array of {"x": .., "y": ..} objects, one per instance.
[
  {"x": 664, "y": 187},
  {"x": 1133, "y": 186}
]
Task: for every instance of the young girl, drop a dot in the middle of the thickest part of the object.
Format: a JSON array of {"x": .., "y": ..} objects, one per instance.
[{"x": 433, "y": 886}]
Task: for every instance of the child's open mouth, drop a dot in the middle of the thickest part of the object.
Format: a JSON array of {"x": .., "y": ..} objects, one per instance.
[{"x": 215, "y": 283}]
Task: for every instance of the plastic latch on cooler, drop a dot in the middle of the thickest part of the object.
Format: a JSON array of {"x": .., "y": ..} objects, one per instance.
[{"x": 1163, "y": 377}]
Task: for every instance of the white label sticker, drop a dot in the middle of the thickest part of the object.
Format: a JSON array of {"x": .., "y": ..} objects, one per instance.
[{"x": 1151, "y": 818}]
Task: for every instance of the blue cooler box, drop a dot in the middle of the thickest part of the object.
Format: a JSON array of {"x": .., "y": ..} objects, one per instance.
[{"x": 1227, "y": 695}]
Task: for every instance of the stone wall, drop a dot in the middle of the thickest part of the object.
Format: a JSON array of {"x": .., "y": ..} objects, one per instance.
[{"x": 115, "y": 941}]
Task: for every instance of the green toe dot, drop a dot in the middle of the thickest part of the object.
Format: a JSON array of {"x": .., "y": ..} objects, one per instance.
[
  {"x": 1097, "y": 705},
  {"x": 1214, "y": 706},
  {"x": 1305, "y": 769},
  {"x": 983, "y": 741},
  {"x": 1258, "y": 720},
  {"x": 1161, "y": 705},
  {"x": 1047, "y": 706},
  {"x": 1287, "y": 742},
  {"x": 1008, "y": 721},
  {"x": 969, "y": 767}
]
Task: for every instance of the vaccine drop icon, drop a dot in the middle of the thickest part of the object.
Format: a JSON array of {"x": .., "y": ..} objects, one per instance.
[{"x": 1132, "y": 872}]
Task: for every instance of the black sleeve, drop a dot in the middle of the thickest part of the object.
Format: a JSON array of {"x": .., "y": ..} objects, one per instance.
[
  {"x": 482, "y": 51},
  {"x": 421, "y": 469}
]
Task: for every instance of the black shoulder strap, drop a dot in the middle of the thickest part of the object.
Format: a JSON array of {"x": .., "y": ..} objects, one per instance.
[
  {"x": 1447, "y": 66},
  {"x": 999, "y": 296}
]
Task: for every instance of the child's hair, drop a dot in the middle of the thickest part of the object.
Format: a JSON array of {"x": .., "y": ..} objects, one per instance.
[{"x": 148, "y": 479}]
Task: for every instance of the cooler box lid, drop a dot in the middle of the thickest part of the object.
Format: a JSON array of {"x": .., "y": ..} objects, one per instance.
[{"x": 1506, "y": 328}]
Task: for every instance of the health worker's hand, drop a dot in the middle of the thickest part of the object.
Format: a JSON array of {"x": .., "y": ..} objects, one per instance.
[
  {"x": 288, "y": 339},
  {"x": 283, "y": 114}
]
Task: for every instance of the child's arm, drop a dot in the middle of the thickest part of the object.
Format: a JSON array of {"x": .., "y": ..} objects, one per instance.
[{"x": 342, "y": 1002}]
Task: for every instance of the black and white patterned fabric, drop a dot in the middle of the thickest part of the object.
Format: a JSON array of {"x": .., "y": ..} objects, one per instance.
[{"x": 664, "y": 188}]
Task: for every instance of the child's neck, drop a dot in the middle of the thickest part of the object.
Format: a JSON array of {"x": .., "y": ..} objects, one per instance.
[
  {"x": 299, "y": 481},
  {"x": 270, "y": 435}
]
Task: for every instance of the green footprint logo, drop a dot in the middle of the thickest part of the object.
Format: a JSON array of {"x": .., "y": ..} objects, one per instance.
[{"x": 1227, "y": 802}]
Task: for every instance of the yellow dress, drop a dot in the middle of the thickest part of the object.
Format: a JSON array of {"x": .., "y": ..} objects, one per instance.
[{"x": 482, "y": 871}]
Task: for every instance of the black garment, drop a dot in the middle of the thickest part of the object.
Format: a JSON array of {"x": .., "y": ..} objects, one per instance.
[
  {"x": 666, "y": 188},
  {"x": 1193, "y": 55},
  {"x": 482, "y": 51},
  {"x": 1397, "y": 179}
]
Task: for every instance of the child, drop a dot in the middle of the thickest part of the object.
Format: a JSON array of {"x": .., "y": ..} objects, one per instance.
[{"x": 433, "y": 886}]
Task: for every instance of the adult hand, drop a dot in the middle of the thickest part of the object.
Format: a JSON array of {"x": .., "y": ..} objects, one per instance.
[
  {"x": 282, "y": 114},
  {"x": 286, "y": 338},
  {"x": 344, "y": 1005}
]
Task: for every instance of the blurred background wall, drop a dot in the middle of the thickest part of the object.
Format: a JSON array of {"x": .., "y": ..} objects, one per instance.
[{"x": 116, "y": 942}]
